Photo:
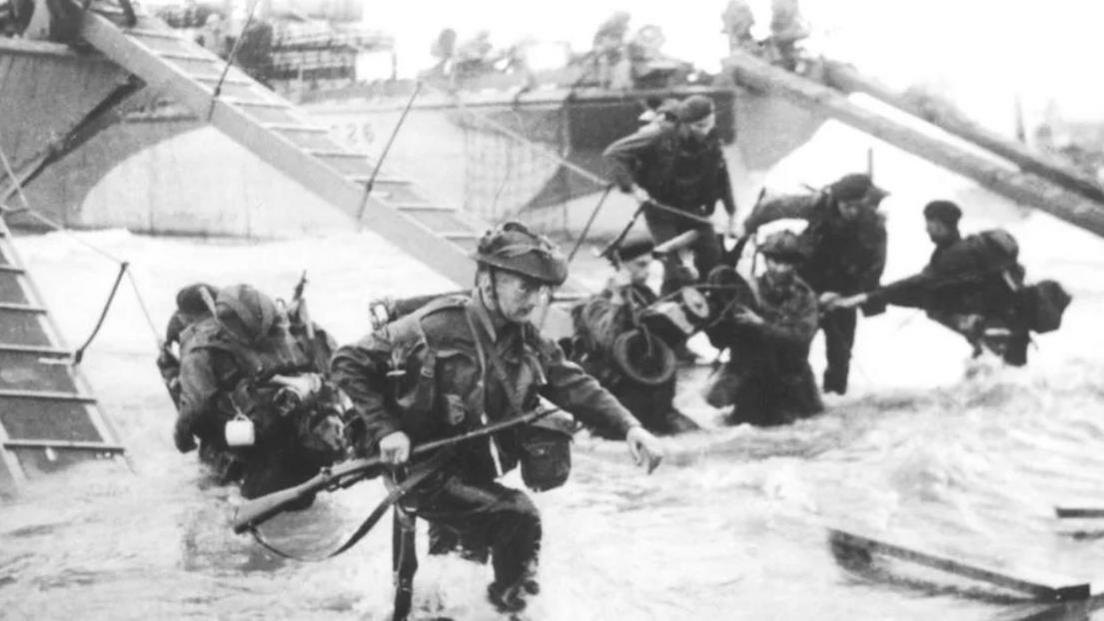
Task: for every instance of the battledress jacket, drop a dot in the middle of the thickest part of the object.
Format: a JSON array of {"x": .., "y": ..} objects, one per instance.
[
  {"x": 844, "y": 256},
  {"x": 682, "y": 172},
  {"x": 968, "y": 275},
  {"x": 212, "y": 365},
  {"x": 442, "y": 384}
]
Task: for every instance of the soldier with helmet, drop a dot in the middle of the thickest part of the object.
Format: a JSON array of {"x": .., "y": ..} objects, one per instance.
[
  {"x": 461, "y": 362},
  {"x": 767, "y": 378},
  {"x": 845, "y": 245},
  {"x": 246, "y": 341}
]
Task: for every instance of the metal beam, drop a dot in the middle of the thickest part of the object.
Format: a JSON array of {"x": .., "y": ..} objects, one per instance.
[
  {"x": 1046, "y": 588},
  {"x": 1012, "y": 183}
]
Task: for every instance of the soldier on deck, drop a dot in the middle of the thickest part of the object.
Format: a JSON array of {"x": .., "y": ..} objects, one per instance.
[
  {"x": 767, "y": 377},
  {"x": 845, "y": 243},
  {"x": 462, "y": 362}
]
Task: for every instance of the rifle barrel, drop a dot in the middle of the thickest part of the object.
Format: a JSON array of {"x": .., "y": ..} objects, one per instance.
[{"x": 259, "y": 510}]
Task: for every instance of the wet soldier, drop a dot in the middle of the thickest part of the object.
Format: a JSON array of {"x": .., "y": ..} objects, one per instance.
[
  {"x": 767, "y": 378},
  {"x": 190, "y": 309},
  {"x": 223, "y": 359},
  {"x": 611, "y": 313},
  {"x": 461, "y": 362},
  {"x": 845, "y": 245},
  {"x": 969, "y": 285},
  {"x": 682, "y": 168}
]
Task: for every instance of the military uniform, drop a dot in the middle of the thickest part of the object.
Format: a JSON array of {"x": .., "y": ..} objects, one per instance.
[
  {"x": 599, "y": 320},
  {"x": 447, "y": 387},
  {"x": 768, "y": 378},
  {"x": 969, "y": 284},
  {"x": 841, "y": 256},
  {"x": 684, "y": 172}
]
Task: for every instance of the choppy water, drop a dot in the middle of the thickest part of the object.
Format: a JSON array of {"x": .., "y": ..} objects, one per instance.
[{"x": 732, "y": 526}]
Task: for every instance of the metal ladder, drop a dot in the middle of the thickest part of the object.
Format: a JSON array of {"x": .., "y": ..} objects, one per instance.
[
  {"x": 438, "y": 236},
  {"x": 48, "y": 418}
]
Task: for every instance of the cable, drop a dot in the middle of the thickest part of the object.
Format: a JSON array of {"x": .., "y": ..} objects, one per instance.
[
  {"x": 31, "y": 211},
  {"x": 230, "y": 58}
]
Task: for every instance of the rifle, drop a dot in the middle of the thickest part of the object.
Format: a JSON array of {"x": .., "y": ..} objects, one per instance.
[{"x": 259, "y": 510}]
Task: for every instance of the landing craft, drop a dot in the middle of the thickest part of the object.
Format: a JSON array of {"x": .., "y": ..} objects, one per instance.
[{"x": 83, "y": 125}]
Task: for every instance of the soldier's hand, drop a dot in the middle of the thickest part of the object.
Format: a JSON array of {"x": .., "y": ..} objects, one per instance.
[
  {"x": 645, "y": 448},
  {"x": 735, "y": 229},
  {"x": 395, "y": 448},
  {"x": 828, "y": 299},
  {"x": 182, "y": 437},
  {"x": 848, "y": 302},
  {"x": 639, "y": 194},
  {"x": 747, "y": 316}
]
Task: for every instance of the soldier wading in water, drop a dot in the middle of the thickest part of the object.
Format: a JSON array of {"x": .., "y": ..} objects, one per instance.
[{"x": 462, "y": 362}]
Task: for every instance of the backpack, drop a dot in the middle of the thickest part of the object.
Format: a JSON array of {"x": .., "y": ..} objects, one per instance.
[{"x": 1043, "y": 305}]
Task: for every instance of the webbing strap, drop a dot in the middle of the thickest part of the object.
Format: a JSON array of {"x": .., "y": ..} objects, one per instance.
[{"x": 424, "y": 470}]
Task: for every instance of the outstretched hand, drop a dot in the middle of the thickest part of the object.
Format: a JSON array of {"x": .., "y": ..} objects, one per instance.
[
  {"x": 645, "y": 448},
  {"x": 847, "y": 302}
]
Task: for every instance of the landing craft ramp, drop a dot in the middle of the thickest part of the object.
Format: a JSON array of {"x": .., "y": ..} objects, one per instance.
[
  {"x": 439, "y": 236},
  {"x": 1063, "y": 199},
  {"x": 48, "y": 417}
]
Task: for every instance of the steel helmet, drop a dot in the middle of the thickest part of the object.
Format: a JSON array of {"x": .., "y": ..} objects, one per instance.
[
  {"x": 246, "y": 312},
  {"x": 783, "y": 246},
  {"x": 514, "y": 248}
]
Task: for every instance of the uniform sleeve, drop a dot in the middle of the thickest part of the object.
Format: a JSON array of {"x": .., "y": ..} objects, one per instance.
[
  {"x": 198, "y": 385},
  {"x": 911, "y": 291},
  {"x": 360, "y": 371},
  {"x": 625, "y": 156},
  {"x": 875, "y": 243},
  {"x": 779, "y": 208},
  {"x": 796, "y": 322},
  {"x": 581, "y": 395},
  {"x": 603, "y": 315},
  {"x": 724, "y": 186}
]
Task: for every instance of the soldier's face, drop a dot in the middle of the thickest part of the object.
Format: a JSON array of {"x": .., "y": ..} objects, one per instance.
[
  {"x": 702, "y": 127},
  {"x": 517, "y": 296},
  {"x": 938, "y": 231},
  {"x": 637, "y": 269},
  {"x": 849, "y": 210},
  {"x": 780, "y": 271}
]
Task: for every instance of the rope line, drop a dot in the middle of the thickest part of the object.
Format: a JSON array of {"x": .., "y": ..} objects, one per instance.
[
  {"x": 78, "y": 355},
  {"x": 123, "y": 265},
  {"x": 230, "y": 59}
]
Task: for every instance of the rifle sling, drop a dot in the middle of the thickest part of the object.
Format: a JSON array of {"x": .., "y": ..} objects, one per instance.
[{"x": 428, "y": 467}]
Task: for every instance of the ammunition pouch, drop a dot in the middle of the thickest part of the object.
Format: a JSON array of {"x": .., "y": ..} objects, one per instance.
[{"x": 545, "y": 456}]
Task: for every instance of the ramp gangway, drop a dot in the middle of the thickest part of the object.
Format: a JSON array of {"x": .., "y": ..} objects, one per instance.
[
  {"x": 48, "y": 416},
  {"x": 1010, "y": 181},
  {"x": 282, "y": 135},
  {"x": 943, "y": 115}
]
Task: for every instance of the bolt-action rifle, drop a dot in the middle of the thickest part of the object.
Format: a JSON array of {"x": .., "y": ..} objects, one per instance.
[{"x": 259, "y": 510}]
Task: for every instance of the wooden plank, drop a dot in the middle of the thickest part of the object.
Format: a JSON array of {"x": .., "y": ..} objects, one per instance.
[
  {"x": 942, "y": 115},
  {"x": 61, "y": 444},
  {"x": 288, "y": 128},
  {"x": 21, "y": 308},
  {"x": 30, "y": 349},
  {"x": 1047, "y": 588},
  {"x": 1022, "y": 187},
  {"x": 46, "y": 395},
  {"x": 1079, "y": 512}
]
